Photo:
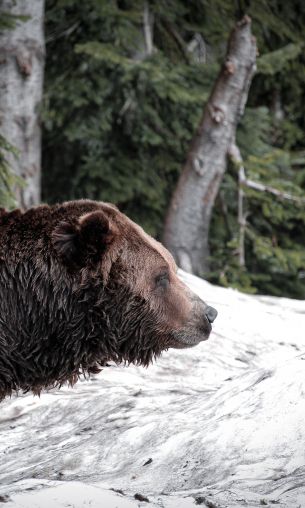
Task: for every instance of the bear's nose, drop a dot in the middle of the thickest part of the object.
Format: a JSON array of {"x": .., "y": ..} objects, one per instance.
[{"x": 211, "y": 314}]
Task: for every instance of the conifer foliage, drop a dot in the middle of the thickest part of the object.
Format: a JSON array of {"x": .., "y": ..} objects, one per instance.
[
  {"x": 118, "y": 122},
  {"x": 7, "y": 179},
  {"x": 126, "y": 83}
]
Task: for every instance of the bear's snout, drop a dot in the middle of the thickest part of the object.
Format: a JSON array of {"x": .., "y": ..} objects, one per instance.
[
  {"x": 198, "y": 326},
  {"x": 211, "y": 314}
]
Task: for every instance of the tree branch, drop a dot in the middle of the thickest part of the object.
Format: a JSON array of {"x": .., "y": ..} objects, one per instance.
[
  {"x": 235, "y": 155},
  {"x": 243, "y": 181},
  {"x": 272, "y": 190},
  {"x": 177, "y": 39}
]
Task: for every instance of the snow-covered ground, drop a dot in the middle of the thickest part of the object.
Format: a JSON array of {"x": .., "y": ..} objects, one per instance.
[{"x": 219, "y": 425}]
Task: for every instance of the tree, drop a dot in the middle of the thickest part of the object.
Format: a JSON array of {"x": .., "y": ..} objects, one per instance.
[
  {"x": 187, "y": 224},
  {"x": 118, "y": 117},
  {"x": 122, "y": 106},
  {"x": 21, "y": 78}
]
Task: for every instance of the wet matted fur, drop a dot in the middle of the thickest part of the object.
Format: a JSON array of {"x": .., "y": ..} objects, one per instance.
[{"x": 80, "y": 285}]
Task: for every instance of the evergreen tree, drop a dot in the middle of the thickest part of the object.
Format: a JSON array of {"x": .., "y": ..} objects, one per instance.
[
  {"x": 118, "y": 120},
  {"x": 7, "y": 179},
  {"x": 119, "y": 124}
]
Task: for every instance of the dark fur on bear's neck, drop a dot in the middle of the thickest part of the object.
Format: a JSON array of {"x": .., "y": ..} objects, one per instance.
[{"x": 57, "y": 323}]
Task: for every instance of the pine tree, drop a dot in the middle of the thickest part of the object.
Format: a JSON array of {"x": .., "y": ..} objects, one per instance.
[
  {"x": 119, "y": 117},
  {"x": 121, "y": 123}
]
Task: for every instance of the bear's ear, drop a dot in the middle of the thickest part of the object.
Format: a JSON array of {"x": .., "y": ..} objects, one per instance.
[{"x": 83, "y": 242}]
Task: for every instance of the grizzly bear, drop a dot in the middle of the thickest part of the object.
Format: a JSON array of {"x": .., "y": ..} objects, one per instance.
[{"x": 80, "y": 285}]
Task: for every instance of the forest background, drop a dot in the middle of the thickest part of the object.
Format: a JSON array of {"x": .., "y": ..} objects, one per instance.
[{"x": 118, "y": 120}]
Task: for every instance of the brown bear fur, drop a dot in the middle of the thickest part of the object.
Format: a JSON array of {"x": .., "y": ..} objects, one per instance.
[{"x": 81, "y": 284}]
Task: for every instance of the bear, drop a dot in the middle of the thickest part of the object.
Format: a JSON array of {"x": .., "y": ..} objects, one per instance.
[{"x": 81, "y": 284}]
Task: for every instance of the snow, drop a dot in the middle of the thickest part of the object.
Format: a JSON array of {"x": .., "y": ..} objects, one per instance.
[{"x": 221, "y": 424}]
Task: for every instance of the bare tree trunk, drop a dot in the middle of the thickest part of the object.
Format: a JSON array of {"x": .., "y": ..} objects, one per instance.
[
  {"x": 148, "y": 29},
  {"x": 187, "y": 223},
  {"x": 21, "y": 80},
  {"x": 235, "y": 155}
]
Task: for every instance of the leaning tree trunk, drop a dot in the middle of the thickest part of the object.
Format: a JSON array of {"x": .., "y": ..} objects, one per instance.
[
  {"x": 21, "y": 79},
  {"x": 187, "y": 223}
]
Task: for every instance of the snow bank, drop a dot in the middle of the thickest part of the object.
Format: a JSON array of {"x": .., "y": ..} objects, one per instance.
[{"x": 219, "y": 425}]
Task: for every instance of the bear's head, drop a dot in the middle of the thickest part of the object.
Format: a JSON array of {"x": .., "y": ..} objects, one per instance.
[{"x": 136, "y": 301}]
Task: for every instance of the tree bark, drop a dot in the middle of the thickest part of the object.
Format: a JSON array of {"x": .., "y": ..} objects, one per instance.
[
  {"x": 148, "y": 29},
  {"x": 188, "y": 219},
  {"x": 21, "y": 80},
  {"x": 235, "y": 155}
]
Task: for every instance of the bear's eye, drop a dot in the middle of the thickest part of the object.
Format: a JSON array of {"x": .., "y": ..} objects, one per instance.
[{"x": 162, "y": 280}]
